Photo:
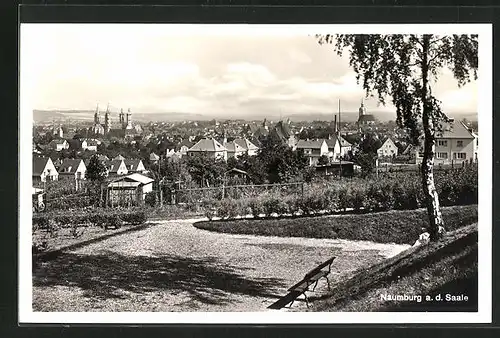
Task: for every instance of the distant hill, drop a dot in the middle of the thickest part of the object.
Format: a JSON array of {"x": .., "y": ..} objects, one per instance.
[
  {"x": 88, "y": 115},
  {"x": 50, "y": 115}
]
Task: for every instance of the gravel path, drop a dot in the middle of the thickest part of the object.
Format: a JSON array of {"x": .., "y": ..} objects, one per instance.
[{"x": 173, "y": 266}]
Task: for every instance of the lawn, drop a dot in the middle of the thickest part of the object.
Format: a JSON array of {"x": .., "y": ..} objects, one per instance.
[
  {"x": 447, "y": 267},
  {"x": 398, "y": 226}
]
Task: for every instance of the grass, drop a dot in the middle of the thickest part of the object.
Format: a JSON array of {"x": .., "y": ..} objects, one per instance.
[
  {"x": 447, "y": 267},
  {"x": 401, "y": 227}
]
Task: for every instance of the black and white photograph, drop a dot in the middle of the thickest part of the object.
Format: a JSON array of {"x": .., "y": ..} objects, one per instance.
[{"x": 255, "y": 173}]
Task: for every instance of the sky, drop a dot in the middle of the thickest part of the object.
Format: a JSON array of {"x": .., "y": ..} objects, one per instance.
[{"x": 161, "y": 68}]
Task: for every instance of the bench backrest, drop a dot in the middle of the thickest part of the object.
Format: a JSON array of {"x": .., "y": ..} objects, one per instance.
[{"x": 320, "y": 267}]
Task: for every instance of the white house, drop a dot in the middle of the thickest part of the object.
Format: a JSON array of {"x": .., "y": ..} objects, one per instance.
[
  {"x": 388, "y": 149},
  {"x": 72, "y": 169},
  {"x": 58, "y": 145},
  {"x": 454, "y": 144},
  {"x": 44, "y": 169},
  {"x": 208, "y": 146},
  {"x": 313, "y": 149},
  {"x": 234, "y": 149},
  {"x": 250, "y": 148},
  {"x": 134, "y": 166},
  {"x": 337, "y": 147},
  {"x": 90, "y": 145},
  {"x": 116, "y": 167}
]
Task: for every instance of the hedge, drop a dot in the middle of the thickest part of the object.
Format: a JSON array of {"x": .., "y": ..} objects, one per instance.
[
  {"x": 98, "y": 217},
  {"x": 399, "y": 192},
  {"x": 402, "y": 227}
]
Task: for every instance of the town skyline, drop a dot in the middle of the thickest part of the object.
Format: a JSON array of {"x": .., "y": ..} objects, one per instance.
[{"x": 153, "y": 71}]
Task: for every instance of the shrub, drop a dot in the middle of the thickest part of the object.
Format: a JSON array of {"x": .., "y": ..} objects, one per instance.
[
  {"x": 227, "y": 208},
  {"x": 97, "y": 219},
  {"x": 112, "y": 220},
  {"x": 209, "y": 208},
  {"x": 275, "y": 204},
  {"x": 379, "y": 197},
  {"x": 151, "y": 199},
  {"x": 332, "y": 200},
  {"x": 41, "y": 221},
  {"x": 343, "y": 200},
  {"x": 135, "y": 217},
  {"x": 256, "y": 206}
]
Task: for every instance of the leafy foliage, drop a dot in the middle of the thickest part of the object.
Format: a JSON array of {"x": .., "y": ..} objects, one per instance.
[
  {"x": 403, "y": 68},
  {"x": 96, "y": 170}
]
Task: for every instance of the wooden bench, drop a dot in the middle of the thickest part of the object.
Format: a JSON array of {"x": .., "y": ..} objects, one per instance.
[{"x": 312, "y": 277}]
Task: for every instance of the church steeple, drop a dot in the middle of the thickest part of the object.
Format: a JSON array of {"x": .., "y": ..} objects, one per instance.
[
  {"x": 362, "y": 109},
  {"x": 107, "y": 121},
  {"x": 97, "y": 117}
]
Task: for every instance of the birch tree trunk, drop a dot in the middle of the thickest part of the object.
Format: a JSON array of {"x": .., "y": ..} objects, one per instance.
[{"x": 430, "y": 193}]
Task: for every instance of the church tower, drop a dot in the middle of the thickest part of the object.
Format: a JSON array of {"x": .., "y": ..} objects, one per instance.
[
  {"x": 107, "y": 121},
  {"x": 129, "y": 120},
  {"x": 97, "y": 117},
  {"x": 362, "y": 109},
  {"x": 122, "y": 118}
]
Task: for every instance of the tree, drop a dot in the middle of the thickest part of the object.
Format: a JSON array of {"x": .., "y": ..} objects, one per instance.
[
  {"x": 323, "y": 160},
  {"x": 404, "y": 68},
  {"x": 370, "y": 144},
  {"x": 96, "y": 170}
]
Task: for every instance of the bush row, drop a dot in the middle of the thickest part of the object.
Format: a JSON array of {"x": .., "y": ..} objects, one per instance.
[
  {"x": 401, "y": 192},
  {"x": 98, "y": 217},
  {"x": 401, "y": 227}
]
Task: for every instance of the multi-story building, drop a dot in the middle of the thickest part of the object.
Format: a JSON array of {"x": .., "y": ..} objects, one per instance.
[
  {"x": 456, "y": 143},
  {"x": 313, "y": 149},
  {"x": 388, "y": 149},
  {"x": 210, "y": 147}
]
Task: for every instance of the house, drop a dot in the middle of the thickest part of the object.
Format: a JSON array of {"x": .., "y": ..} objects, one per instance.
[
  {"x": 72, "y": 169},
  {"x": 208, "y": 146},
  {"x": 119, "y": 158},
  {"x": 234, "y": 149},
  {"x": 388, "y": 149},
  {"x": 184, "y": 146},
  {"x": 455, "y": 143},
  {"x": 250, "y": 148},
  {"x": 44, "y": 169},
  {"x": 129, "y": 190},
  {"x": 153, "y": 158},
  {"x": 333, "y": 144},
  {"x": 135, "y": 166},
  {"x": 58, "y": 145},
  {"x": 90, "y": 145},
  {"x": 313, "y": 149},
  {"x": 116, "y": 167},
  {"x": 282, "y": 131}
]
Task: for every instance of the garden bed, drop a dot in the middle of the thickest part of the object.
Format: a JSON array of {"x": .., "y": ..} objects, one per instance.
[{"x": 402, "y": 227}]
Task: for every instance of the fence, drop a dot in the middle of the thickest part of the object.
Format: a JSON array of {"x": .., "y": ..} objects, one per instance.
[
  {"x": 198, "y": 195},
  {"x": 392, "y": 168}
]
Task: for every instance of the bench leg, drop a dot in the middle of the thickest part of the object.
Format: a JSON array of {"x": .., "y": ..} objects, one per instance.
[
  {"x": 315, "y": 284},
  {"x": 307, "y": 300},
  {"x": 328, "y": 283}
]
